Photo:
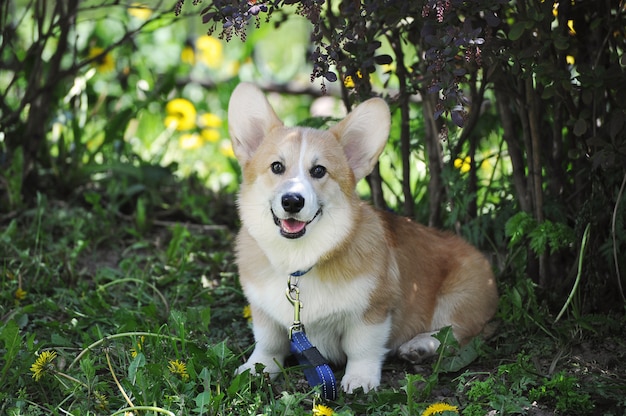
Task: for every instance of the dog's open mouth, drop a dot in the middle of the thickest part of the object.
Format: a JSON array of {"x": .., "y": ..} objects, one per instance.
[{"x": 293, "y": 228}]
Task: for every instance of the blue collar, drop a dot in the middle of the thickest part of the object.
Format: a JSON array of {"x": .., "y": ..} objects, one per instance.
[{"x": 299, "y": 273}]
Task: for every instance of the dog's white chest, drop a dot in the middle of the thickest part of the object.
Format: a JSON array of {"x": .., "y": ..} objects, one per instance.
[{"x": 327, "y": 303}]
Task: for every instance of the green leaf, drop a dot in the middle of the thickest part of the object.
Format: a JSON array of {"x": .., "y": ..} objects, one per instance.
[
  {"x": 219, "y": 355},
  {"x": 539, "y": 238},
  {"x": 518, "y": 227},
  {"x": 464, "y": 357},
  {"x": 60, "y": 340},
  {"x": 10, "y": 335},
  {"x": 9, "y": 232},
  {"x": 446, "y": 337},
  {"x": 580, "y": 127},
  {"x": 202, "y": 401},
  {"x": 180, "y": 235},
  {"x": 517, "y": 30},
  {"x": 205, "y": 316},
  {"x": 87, "y": 367},
  {"x": 138, "y": 362}
]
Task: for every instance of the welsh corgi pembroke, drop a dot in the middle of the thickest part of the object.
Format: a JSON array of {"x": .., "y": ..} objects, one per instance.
[{"x": 371, "y": 283}]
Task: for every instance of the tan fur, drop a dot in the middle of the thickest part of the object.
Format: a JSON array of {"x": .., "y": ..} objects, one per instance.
[{"x": 378, "y": 283}]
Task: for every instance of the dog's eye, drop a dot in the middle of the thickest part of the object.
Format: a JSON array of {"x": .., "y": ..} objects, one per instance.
[
  {"x": 278, "y": 168},
  {"x": 318, "y": 171}
]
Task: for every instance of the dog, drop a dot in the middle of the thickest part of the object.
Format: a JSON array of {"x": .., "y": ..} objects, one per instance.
[{"x": 371, "y": 283}]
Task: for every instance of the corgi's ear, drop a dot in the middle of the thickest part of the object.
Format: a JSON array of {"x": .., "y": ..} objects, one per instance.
[
  {"x": 363, "y": 134},
  {"x": 250, "y": 118}
]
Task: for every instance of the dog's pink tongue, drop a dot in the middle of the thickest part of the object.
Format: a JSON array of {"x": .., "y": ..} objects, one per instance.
[{"x": 292, "y": 226}]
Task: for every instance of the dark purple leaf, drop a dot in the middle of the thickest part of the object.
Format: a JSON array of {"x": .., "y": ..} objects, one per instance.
[
  {"x": 383, "y": 59},
  {"x": 330, "y": 76},
  {"x": 434, "y": 88},
  {"x": 207, "y": 17},
  {"x": 457, "y": 118},
  {"x": 459, "y": 72}
]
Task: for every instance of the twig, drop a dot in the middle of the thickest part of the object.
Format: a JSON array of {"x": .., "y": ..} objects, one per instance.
[
  {"x": 405, "y": 131},
  {"x": 198, "y": 227},
  {"x": 581, "y": 255},
  {"x": 132, "y": 279},
  {"x": 148, "y": 408},
  {"x": 613, "y": 221},
  {"x": 117, "y": 383}
]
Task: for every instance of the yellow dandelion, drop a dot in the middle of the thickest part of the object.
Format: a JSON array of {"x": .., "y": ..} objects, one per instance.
[
  {"x": 43, "y": 364},
  {"x": 135, "y": 351},
  {"x": 227, "y": 150},
  {"x": 188, "y": 56},
  {"x": 210, "y": 135},
  {"x": 140, "y": 11},
  {"x": 570, "y": 26},
  {"x": 247, "y": 313},
  {"x": 181, "y": 114},
  {"x": 190, "y": 141},
  {"x": 103, "y": 62},
  {"x": 570, "y": 59},
  {"x": 464, "y": 165},
  {"x": 438, "y": 408},
  {"x": 321, "y": 410},
  {"x": 210, "y": 51},
  {"x": 210, "y": 120},
  {"x": 178, "y": 368},
  {"x": 20, "y": 294},
  {"x": 349, "y": 81}
]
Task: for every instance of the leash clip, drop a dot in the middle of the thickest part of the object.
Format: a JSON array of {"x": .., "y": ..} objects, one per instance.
[{"x": 293, "y": 295}]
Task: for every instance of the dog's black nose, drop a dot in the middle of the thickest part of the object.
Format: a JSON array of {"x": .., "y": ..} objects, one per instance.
[{"x": 292, "y": 202}]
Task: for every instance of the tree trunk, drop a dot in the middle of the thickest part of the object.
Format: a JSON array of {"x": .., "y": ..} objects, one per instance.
[{"x": 436, "y": 191}]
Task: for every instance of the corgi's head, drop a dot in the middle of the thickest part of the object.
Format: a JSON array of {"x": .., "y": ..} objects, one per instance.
[{"x": 297, "y": 198}]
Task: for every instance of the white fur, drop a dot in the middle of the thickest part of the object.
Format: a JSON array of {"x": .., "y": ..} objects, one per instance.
[{"x": 322, "y": 235}]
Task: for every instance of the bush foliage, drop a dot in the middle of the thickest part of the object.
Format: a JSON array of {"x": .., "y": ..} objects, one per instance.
[{"x": 538, "y": 84}]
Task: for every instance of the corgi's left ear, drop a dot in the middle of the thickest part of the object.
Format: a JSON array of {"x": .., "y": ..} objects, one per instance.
[
  {"x": 250, "y": 118},
  {"x": 363, "y": 134}
]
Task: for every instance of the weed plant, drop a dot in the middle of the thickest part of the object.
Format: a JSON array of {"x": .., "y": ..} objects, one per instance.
[{"x": 109, "y": 317}]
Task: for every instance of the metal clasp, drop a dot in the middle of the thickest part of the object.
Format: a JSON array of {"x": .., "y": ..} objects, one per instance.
[{"x": 293, "y": 295}]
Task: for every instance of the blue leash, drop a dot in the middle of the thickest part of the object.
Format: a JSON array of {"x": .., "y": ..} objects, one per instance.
[{"x": 315, "y": 367}]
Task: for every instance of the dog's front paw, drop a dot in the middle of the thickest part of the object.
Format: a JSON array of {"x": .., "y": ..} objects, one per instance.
[
  {"x": 351, "y": 382},
  {"x": 246, "y": 366},
  {"x": 257, "y": 367}
]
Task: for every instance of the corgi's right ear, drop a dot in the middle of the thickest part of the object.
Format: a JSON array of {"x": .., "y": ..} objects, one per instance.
[{"x": 250, "y": 118}]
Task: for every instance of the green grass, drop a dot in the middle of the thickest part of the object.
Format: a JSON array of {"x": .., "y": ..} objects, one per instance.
[{"x": 149, "y": 315}]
